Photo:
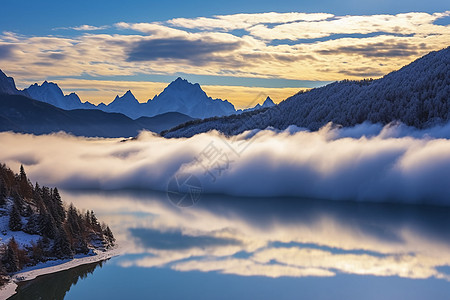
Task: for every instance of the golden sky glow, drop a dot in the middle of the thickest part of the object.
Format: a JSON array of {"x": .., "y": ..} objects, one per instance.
[
  {"x": 240, "y": 96},
  {"x": 281, "y": 46}
]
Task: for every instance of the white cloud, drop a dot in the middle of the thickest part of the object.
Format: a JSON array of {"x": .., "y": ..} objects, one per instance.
[
  {"x": 410, "y": 23},
  {"x": 84, "y": 27},
  {"x": 324, "y": 164},
  {"x": 89, "y": 27},
  {"x": 245, "y": 21},
  {"x": 259, "y": 49}
]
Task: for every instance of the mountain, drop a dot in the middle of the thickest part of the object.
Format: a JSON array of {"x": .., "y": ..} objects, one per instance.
[
  {"x": 179, "y": 96},
  {"x": 127, "y": 105},
  {"x": 187, "y": 98},
  {"x": 267, "y": 103},
  {"x": 51, "y": 93},
  {"x": 22, "y": 114},
  {"x": 8, "y": 86},
  {"x": 417, "y": 95},
  {"x": 163, "y": 121}
]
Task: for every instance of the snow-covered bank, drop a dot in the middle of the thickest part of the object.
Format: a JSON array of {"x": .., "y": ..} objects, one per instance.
[{"x": 54, "y": 266}]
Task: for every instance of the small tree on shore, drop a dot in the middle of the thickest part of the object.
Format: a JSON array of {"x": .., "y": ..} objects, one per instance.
[{"x": 109, "y": 236}]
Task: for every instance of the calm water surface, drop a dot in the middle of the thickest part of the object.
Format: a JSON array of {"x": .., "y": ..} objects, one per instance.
[{"x": 239, "y": 248}]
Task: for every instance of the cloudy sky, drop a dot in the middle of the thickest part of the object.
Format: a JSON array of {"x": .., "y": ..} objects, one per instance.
[{"x": 236, "y": 51}]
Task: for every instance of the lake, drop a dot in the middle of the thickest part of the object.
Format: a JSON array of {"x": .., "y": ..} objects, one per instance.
[{"x": 250, "y": 248}]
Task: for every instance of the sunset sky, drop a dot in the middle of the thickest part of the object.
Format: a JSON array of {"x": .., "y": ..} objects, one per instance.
[{"x": 236, "y": 50}]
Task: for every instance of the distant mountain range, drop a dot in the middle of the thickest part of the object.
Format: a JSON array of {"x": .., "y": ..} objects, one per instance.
[
  {"x": 44, "y": 108},
  {"x": 179, "y": 96},
  {"x": 417, "y": 95},
  {"x": 19, "y": 113}
]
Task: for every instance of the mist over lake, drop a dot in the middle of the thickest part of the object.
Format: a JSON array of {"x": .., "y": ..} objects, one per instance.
[{"x": 363, "y": 163}]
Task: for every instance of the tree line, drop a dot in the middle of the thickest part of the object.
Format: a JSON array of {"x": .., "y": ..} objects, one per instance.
[{"x": 39, "y": 210}]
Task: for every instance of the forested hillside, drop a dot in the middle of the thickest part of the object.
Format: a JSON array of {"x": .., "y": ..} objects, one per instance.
[
  {"x": 36, "y": 225},
  {"x": 417, "y": 95}
]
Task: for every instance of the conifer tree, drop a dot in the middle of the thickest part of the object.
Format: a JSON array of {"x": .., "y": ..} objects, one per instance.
[
  {"x": 15, "y": 222},
  {"x": 25, "y": 186},
  {"x": 32, "y": 226},
  {"x": 37, "y": 188},
  {"x": 22, "y": 174},
  {"x": 3, "y": 279},
  {"x": 73, "y": 221},
  {"x": 28, "y": 211},
  {"x": 47, "y": 226},
  {"x": 59, "y": 206},
  {"x": 87, "y": 218},
  {"x": 94, "y": 223},
  {"x": 37, "y": 251},
  {"x": 11, "y": 259},
  {"x": 109, "y": 235},
  {"x": 3, "y": 192},
  {"x": 61, "y": 246}
]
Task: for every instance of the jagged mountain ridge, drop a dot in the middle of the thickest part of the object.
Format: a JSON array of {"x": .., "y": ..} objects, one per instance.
[
  {"x": 183, "y": 96},
  {"x": 126, "y": 104},
  {"x": 417, "y": 95},
  {"x": 179, "y": 96},
  {"x": 51, "y": 93}
]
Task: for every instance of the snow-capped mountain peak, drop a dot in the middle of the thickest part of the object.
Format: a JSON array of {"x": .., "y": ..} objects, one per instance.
[
  {"x": 188, "y": 98},
  {"x": 51, "y": 93},
  {"x": 128, "y": 97},
  {"x": 182, "y": 88},
  {"x": 268, "y": 102}
]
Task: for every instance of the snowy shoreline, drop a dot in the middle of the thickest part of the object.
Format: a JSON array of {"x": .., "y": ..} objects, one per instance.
[{"x": 53, "y": 266}]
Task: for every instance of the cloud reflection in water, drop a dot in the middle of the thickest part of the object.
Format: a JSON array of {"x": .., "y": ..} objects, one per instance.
[{"x": 276, "y": 237}]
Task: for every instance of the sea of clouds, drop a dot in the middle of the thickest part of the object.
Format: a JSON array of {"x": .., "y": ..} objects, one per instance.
[{"x": 367, "y": 162}]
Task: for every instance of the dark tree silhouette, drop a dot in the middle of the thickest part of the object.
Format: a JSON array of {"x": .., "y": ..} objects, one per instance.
[
  {"x": 11, "y": 259},
  {"x": 62, "y": 247},
  {"x": 15, "y": 223}
]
